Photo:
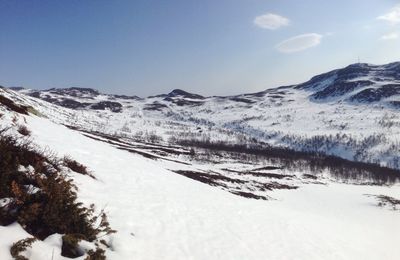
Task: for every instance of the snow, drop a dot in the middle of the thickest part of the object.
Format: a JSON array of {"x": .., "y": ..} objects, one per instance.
[
  {"x": 50, "y": 248},
  {"x": 291, "y": 120},
  {"x": 161, "y": 215},
  {"x": 268, "y": 119}
]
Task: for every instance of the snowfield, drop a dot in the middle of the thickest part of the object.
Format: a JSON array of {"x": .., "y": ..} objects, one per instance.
[
  {"x": 350, "y": 112},
  {"x": 168, "y": 202},
  {"x": 161, "y": 215}
]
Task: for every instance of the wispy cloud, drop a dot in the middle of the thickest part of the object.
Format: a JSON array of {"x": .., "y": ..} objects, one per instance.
[
  {"x": 390, "y": 36},
  {"x": 271, "y": 21},
  {"x": 393, "y": 16},
  {"x": 299, "y": 43}
]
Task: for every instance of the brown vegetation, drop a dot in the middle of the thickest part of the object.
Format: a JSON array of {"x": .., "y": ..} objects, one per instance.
[
  {"x": 18, "y": 247},
  {"x": 76, "y": 166},
  {"x": 23, "y": 130},
  {"x": 387, "y": 201},
  {"x": 43, "y": 200}
]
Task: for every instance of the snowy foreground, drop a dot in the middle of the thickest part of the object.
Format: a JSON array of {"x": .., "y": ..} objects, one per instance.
[{"x": 161, "y": 215}]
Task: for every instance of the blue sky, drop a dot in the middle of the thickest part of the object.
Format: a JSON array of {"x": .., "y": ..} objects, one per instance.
[{"x": 223, "y": 47}]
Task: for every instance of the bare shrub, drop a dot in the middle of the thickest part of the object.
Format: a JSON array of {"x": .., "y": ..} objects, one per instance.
[
  {"x": 98, "y": 254},
  {"x": 23, "y": 130},
  {"x": 70, "y": 246},
  {"x": 43, "y": 201},
  {"x": 18, "y": 247},
  {"x": 387, "y": 201},
  {"x": 339, "y": 168},
  {"x": 76, "y": 166},
  {"x": 152, "y": 137}
]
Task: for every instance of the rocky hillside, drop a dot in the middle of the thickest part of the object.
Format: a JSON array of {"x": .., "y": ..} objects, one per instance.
[
  {"x": 350, "y": 112},
  {"x": 356, "y": 83}
]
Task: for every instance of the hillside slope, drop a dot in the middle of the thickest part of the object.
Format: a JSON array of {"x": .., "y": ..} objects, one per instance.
[
  {"x": 159, "y": 214},
  {"x": 350, "y": 112}
]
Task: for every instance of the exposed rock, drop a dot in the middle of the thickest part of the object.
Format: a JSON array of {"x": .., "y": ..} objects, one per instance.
[
  {"x": 182, "y": 93},
  {"x": 376, "y": 94},
  {"x": 110, "y": 105},
  {"x": 155, "y": 106}
]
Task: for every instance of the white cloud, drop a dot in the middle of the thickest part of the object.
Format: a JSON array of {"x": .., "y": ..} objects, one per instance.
[
  {"x": 393, "y": 16},
  {"x": 299, "y": 43},
  {"x": 271, "y": 21},
  {"x": 390, "y": 36}
]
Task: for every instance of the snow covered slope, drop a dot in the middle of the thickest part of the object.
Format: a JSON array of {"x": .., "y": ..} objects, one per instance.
[
  {"x": 350, "y": 112},
  {"x": 161, "y": 215}
]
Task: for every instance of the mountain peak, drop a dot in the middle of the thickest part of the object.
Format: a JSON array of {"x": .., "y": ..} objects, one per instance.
[
  {"x": 357, "y": 82},
  {"x": 182, "y": 93}
]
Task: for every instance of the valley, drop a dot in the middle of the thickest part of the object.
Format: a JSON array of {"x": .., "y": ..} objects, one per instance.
[{"x": 287, "y": 172}]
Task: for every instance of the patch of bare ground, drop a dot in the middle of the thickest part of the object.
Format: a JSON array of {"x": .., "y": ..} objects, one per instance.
[
  {"x": 235, "y": 186},
  {"x": 249, "y": 195},
  {"x": 12, "y": 106},
  {"x": 262, "y": 174}
]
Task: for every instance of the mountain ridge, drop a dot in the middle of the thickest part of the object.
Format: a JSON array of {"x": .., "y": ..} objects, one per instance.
[
  {"x": 350, "y": 112},
  {"x": 359, "y": 82}
]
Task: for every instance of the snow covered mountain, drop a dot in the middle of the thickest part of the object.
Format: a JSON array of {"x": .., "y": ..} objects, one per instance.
[
  {"x": 183, "y": 176},
  {"x": 362, "y": 83},
  {"x": 356, "y": 83},
  {"x": 350, "y": 112}
]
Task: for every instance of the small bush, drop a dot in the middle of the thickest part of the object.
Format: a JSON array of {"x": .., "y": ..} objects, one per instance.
[
  {"x": 76, "y": 166},
  {"x": 20, "y": 246},
  {"x": 23, "y": 130},
  {"x": 386, "y": 201},
  {"x": 43, "y": 200},
  {"x": 70, "y": 247},
  {"x": 99, "y": 254}
]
